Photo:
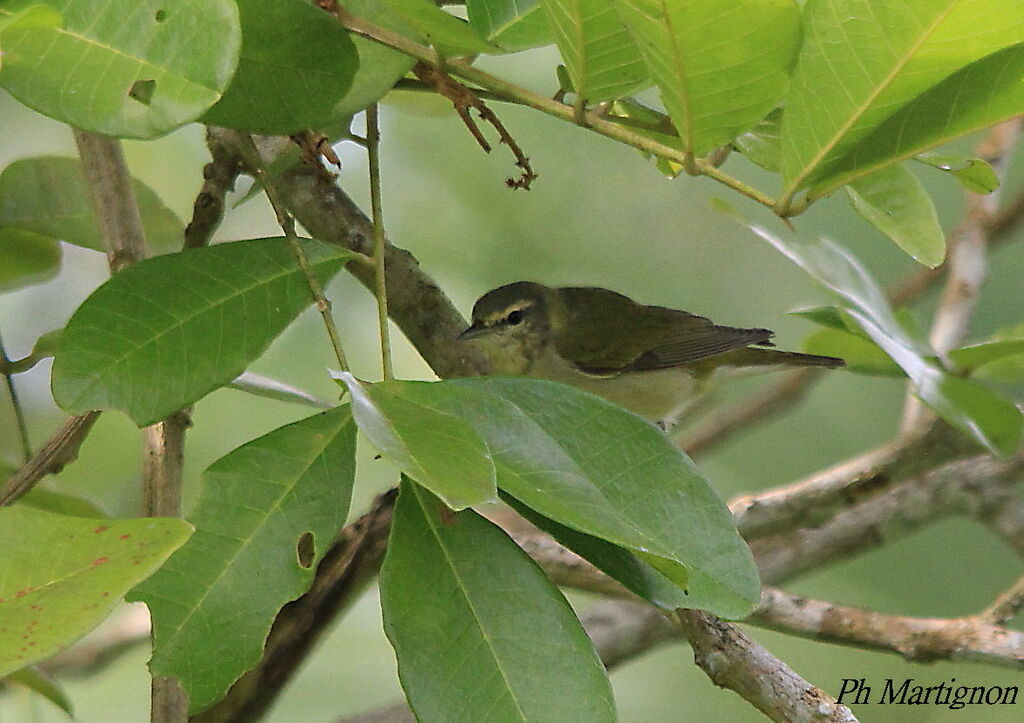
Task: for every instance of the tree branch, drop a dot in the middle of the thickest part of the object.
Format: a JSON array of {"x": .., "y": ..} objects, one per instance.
[
  {"x": 113, "y": 199},
  {"x": 732, "y": 660},
  {"x": 219, "y": 177},
  {"x": 60, "y": 450}
]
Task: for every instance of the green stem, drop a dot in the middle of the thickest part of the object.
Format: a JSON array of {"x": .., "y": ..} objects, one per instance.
[
  {"x": 539, "y": 102},
  {"x": 19, "y": 413},
  {"x": 380, "y": 287},
  {"x": 254, "y": 160}
]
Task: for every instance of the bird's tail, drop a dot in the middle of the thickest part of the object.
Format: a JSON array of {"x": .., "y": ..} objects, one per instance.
[{"x": 752, "y": 356}]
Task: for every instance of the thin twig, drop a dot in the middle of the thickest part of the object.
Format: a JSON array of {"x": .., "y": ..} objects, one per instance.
[
  {"x": 254, "y": 161},
  {"x": 60, "y": 450},
  {"x": 219, "y": 177},
  {"x": 380, "y": 271},
  {"x": 19, "y": 413},
  {"x": 564, "y": 112},
  {"x": 1006, "y": 606}
]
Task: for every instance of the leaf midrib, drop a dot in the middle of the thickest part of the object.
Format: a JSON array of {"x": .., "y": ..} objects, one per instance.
[{"x": 860, "y": 109}]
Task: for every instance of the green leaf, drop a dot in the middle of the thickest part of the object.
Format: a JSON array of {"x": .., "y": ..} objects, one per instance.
[
  {"x": 126, "y": 68},
  {"x": 829, "y": 316},
  {"x": 479, "y": 632},
  {"x": 295, "y": 63},
  {"x": 974, "y": 174},
  {"x": 380, "y": 67},
  {"x": 263, "y": 386},
  {"x": 449, "y": 34},
  {"x": 861, "y": 355},
  {"x": 41, "y": 682},
  {"x": 974, "y": 409},
  {"x": 197, "y": 319},
  {"x": 616, "y": 562},
  {"x": 26, "y": 258},
  {"x": 720, "y": 67},
  {"x": 49, "y": 195},
  {"x": 600, "y": 56},
  {"x": 862, "y": 61},
  {"x": 970, "y": 358},
  {"x": 894, "y": 201},
  {"x": 60, "y": 576},
  {"x": 979, "y": 96},
  {"x": 30, "y": 17},
  {"x": 762, "y": 144},
  {"x": 62, "y": 503},
  {"x": 267, "y": 513},
  {"x": 510, "y": 24},
  {"x": 404, "y": 420},
  {"x": 592, "y": 466}
]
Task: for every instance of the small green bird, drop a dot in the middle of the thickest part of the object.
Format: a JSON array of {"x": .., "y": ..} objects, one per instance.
[{"x": 651, "y": 360}]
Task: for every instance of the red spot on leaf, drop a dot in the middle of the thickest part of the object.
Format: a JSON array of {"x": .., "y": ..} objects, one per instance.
[
  {"x": 36, "y": 607},
  {"x": 124, "y": 537},
  {"x": 105, "y": 594},
  {"x": 101, "y": 528},
  {"x": 31, "y": 643},
  {"x": 100, "y": 561}
]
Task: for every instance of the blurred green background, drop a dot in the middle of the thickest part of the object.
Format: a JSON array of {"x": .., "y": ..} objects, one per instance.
[{"x": 598, "y": 214}]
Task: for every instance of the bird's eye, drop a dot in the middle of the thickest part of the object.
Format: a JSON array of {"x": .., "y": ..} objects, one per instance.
[{"x": 514, "y": 317}]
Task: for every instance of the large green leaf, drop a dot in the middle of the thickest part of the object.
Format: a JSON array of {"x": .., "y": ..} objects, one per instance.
[
  {"x": 863, "y": 60},
  {"x": 720, "y": 67},
  {"x": 894, "y": 201},
  {"x": 971, "y": 407},
  {"x": 435, "y": 448},
  {"x": 447, "y": 33},
  {"x": 510, "y": 24},
  {"x": 26, "y": 258},
  {"x": 591, "y": 466},
  {"x": 267, "y": 513},
  {"x": 128, "y": 68},
  {"x": 616, "y": 562},
  {"x": 296, "y": 62},
  {"x": 48, "y": 195},
  {"x": 479, "y": 632},
  {"x": 380, "y": 67},
  {"x": 601, "y": 57},
  {"x": 164, "y": 332},
  {"x": 982, "y": 94},
  {"x": 60, "y": 576}
]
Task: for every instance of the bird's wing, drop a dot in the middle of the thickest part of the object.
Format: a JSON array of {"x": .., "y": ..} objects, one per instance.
[{"x": 642, "y": 337}]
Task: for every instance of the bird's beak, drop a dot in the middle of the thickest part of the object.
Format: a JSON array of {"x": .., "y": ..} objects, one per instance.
[{"x": 475, "y": 331}]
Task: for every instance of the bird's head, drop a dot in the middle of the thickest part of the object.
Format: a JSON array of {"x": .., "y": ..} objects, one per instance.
[{"x": 513, "y": 315}]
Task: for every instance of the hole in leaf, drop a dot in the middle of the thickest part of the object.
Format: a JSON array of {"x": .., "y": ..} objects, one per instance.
[
  {"x": 304, "y": 549},
  {"x": 160, "y": 16},
  {"x": 142, "y": 91}
]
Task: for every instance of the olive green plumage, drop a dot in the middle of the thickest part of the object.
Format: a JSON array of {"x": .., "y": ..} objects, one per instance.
[{"x": 646, "y": 358}]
